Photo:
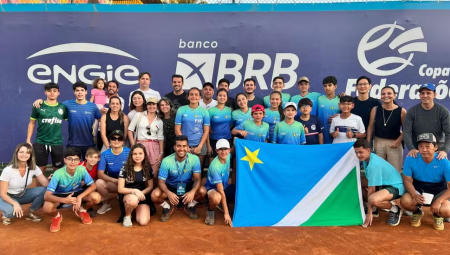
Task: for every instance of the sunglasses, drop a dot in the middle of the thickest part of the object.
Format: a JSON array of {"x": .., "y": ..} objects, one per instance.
[
  {"x": 116, "y": 138},
  {"x": 148, "y": 130}
]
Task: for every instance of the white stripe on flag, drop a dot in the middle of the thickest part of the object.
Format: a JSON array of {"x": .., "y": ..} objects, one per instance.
[{"x": 317, "y": 195}]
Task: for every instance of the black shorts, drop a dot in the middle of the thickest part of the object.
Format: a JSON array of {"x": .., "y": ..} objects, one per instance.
[
  {"x": 42, "y": 152},
  {"x": 392, "y": 190},
  {"x": 174, "y": 189},
  {"x": 213, "y": 143},
  {"x": 62, "y": 205}
]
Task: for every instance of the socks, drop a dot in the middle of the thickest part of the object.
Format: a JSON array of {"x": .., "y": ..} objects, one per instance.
[
  {"x": 58, "y": 215},
  {"x": 193, "y": 203},
  {"x": 394, "y": 209},
  {"x": 82, "y": 209},
  {"x": 165, "y": 205}
]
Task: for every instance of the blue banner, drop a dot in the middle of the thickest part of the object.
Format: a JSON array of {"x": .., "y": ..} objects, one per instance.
[{"x": 400, "y": 48}]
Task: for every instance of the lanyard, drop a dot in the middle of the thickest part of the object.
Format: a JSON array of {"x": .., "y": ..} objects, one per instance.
[{"x": 178, "y": 168}]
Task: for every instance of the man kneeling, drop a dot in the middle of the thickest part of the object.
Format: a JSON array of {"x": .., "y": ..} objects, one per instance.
[
  {"x": 426, "y": 180},
  {"x": 64, "y": 190},
  {"x": 175, "y": 181},
  {"x": 380, "y": 174},
  {"x": 218, "y": 190}
]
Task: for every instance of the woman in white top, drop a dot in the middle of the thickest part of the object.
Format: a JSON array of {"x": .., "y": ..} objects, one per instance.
[
  {"x": 137, "y": 104},
  {"x": 13, "y": 183},
  {"x": 147, "y": 128}
]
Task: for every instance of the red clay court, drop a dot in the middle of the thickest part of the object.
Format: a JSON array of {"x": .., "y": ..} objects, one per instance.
[{"x": 184, "y": 236}]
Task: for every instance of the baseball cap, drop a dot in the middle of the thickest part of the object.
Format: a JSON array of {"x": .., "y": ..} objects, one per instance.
[
  {"x": 208, "y": 84},
  {"x": 258, "y": 107},
  {"x": 222, "y": 143},
  {"x": 290, "y": 104},
  {"x": 429, "y": 86},
  {"x": 303, "y": 78},
  {"x": 426, "y": 137},
  {"x": 116, "y": 132},
  {"x": 152, "y": 100}
]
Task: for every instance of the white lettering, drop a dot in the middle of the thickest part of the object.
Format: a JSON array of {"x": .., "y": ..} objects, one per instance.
[
  {"x": 214, "y": 44},
  {"x": 429, "y": 71},
  {"x": 442, "y": 90},
  {"x": 206, "y": 44},
  {"x": 258, "y": 74},
  {"x": 128, "y": 71},
  {"x": 421, "y": 73},
  {"x": 375, "y": 92},
  {"x": 351, "y": 87},
  {"x": 290, "y": 71},
  {"x": 445, "y": 71},
  {"x": 83, "y": 69},
  {"x": 234, "y": 71},
  {"x": 413, "y": 93},
  {"x": 46, "y": 71},
  {"x": 403, "y": 89},
  {"x": 57, "y": 70},
  {"x": 436, "y": 72},
  {"x": 182, "y": 44}
]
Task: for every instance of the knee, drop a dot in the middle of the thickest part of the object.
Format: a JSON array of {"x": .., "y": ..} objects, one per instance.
[
  {"x": 201, "y": 192},
  {"x": 374, "y": 200},
  {"x": 95, "y": 197},
  {"x": 101, "y": 184},
  {"x": 156, "y": 194},
  {"x": 131, "y": 201},
  {"x": 143, "y": 221},
  {"x": 41, "y": 190},
  {"x": 215, "y": 199},
  {"x": 48, "y": 207},
  {"x": 406, "y": 200}
]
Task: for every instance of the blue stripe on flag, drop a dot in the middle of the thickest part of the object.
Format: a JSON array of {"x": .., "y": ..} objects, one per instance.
[{"x": 281, "y": 176}]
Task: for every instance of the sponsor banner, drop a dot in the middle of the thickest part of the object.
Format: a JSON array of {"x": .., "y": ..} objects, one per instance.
[{"x": 399, "y": 48}]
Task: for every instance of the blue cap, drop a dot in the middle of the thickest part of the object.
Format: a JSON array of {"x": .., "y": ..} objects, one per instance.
[{"x": 428, "y": 86}]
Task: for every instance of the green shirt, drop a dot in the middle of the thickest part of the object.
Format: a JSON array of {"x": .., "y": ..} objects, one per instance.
[{"x": 49, "y": 119}]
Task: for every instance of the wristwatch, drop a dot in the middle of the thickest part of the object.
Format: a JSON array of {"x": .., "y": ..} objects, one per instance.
[{"x": 354, "y": 134}]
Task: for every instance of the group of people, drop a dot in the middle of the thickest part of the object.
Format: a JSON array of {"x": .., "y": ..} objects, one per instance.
[{"x": 156, "y": 153}]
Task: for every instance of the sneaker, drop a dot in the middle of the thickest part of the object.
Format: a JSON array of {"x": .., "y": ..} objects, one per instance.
[
  {"x": 438, "y": 223},
  {"x": 191, "y": 212},
  {"x": 209, "y": 218},
  {"x": 407, "y": 213},
  {"x": 6, "y": 221},
  {"x": 394, "y": 218},
  {"x": 127, "y": 222},
  {"x": 446, "y": 219},
  {"x": 416, "y": 218},
  {"x": 165, "y": 216},
  {"x": 31, "y": 216},
  {"x": 91, "y": 212},
  {"x": 84, "y": 216},
  {"x": 375, "y": 213},
  {"x": 55, "y": 226},
  {"x": 104, "y": 208}
]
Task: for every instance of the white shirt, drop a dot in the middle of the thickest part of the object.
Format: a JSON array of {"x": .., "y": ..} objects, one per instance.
[
  {"x": 147, "y": 94},
  {"x": 156, "y": 127},
  {"x": 131, "y": 114},
  {"x": 354, "y": 122},
  {"x": 16, "y": 183},
  {"x": 207, "y": 106}
]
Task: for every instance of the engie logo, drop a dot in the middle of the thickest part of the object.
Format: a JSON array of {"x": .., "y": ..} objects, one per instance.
[
  {"x": 402, "y": 39},
  {"x": 42, "y": 73},
  {"x": 198, "y": 68}
]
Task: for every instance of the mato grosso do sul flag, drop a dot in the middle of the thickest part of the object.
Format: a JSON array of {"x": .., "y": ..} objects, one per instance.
[{"x": 291, "y": 185}]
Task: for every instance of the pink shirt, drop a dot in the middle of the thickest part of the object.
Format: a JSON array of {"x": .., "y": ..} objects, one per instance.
[{"x": 99, "y": 96}]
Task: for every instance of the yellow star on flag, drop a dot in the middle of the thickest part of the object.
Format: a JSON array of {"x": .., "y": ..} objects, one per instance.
[{"x": 252, "y": 158}]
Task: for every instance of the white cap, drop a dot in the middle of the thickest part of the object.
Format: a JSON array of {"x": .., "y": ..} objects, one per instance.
[
  {"x": 222, "y": 143},
  {"x": 290, "y": 104}
]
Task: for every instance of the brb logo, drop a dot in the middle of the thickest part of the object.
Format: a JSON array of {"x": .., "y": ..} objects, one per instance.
[
  {"x": 42, "y": 73},
  {"x": 405, "y": 37},
  {"x": 198, "y": 68}
]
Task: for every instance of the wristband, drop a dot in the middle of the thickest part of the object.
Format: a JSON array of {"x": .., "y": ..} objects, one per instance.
[{"x": 354, "y": 134}]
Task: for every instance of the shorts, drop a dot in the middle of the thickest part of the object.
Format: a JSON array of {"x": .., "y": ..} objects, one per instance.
[
  {"x": 213, "y": 142},
  {"x": 230, "y": 192},
  {"x": 152, "y": 148},
  {"x": 62, "y": 205},
  {"x": 147, "y": 201},
  {"x": 42, "y": 152},
  {"x": 174, "y": 189},
  {"x": 392, "y": 190},
  {"x": 203, "y": 151}
]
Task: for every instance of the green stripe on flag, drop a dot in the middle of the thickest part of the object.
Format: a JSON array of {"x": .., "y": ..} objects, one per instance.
[{"x": 342, "y": 207}]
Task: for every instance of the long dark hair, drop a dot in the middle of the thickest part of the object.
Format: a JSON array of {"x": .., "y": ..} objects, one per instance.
[
  {"x": 280, "y": 107},
  {"x": 129, "y": 165},
  {"x": 172, "y": 109},
  {"x": 239, "y": 94},
  {"x": 120, "y": 109},
  {"x": 132, "y": 106}
]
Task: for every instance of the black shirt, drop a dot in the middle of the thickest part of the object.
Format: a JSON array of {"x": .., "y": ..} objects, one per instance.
[
  {"x": 255, "y": 101},
  {"x": 231, "y": 103},
  {"x": 139, "y": 182},
  {"x": 363, "y": 108},
  {"x": 178, "y": 101}
]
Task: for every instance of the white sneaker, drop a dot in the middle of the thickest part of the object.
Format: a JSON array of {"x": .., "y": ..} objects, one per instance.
[
  {"x": 127, "y": 222},
  {"x": 407, "y": 213},
  {"x": 104, "y": 208}
]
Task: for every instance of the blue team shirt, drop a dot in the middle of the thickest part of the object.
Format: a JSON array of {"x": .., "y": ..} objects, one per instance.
[
  {"x": 437, "y": 171},
  {"x": 285, "y": 97},
  {"x": 239, "y": 117},
  {"x": 313, "y": 96},
  {"x": 173, "y": 172},
  {"x": 379, "y": 173},
  {"x": 81, "y": 121},
  {"x": 255, "y": 132},
  {"x": 271, "y": 118},
  {"x": 220, "y": 121},
  {"x": 192, "y": 122},
  {"x": 289, "y": 134},
  {"x": 315, "y": 127},
  {"x": 62, "y": 182},
  {"x": 111, "y": 163},
  {"x": 327, "y": 107},
  {"x": 218, "y": 173}
]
